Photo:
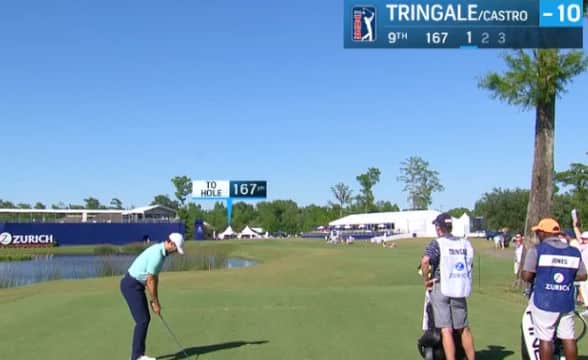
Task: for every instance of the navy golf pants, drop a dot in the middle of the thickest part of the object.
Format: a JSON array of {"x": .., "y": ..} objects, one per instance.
[{"x": 134, "y": 293}]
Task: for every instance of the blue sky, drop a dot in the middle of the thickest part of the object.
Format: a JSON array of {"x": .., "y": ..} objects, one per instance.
[{"x": 114, "y": 98}]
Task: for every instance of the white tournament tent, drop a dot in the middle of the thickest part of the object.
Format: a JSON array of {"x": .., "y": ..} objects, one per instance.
[
  {"x": 228, "y": 233},
  {"x": 461, "y": 225},
  {"x": 247, "y": 233},
  {"x": 258, "y": 230}
]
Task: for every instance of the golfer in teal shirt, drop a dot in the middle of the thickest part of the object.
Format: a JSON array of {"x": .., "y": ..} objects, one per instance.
[
  {"x": 144, "y": 274},
  {"x": 148, "y": 262}
]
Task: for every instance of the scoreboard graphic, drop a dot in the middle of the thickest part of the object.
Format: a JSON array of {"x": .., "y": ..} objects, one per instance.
[
  {"x": 463, "y": 24},
  {"x": 224, "y": 189}
]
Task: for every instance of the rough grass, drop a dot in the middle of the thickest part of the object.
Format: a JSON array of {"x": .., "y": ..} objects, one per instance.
[
  {"x": 16, "y": 257},
  {"x": 304, "y": 300}
]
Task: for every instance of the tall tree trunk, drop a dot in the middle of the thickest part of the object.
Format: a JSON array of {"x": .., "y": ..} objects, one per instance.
[{"x": 541, "y": 195}]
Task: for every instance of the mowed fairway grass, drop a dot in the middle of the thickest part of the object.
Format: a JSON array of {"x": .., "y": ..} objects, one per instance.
[{"x": 304, "y": 300}]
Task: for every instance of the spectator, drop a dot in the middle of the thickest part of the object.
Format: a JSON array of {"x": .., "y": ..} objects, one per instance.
[
  {"x": 451, "y": 262},
  {"x": 506, "y": 237},
  {"x": 499, "y": 241},
  {"x": 552, "y": 266},
  {"x": 518, "y": 249},
  {"x": 583, "y": 247}
]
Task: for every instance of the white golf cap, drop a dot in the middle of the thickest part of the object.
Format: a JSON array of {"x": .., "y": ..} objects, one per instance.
[
  {"x": 584, "y": 235},
  {"x": 178, "y": 239}
]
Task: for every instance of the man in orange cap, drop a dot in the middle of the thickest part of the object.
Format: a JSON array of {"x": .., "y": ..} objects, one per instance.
[{"x": 552, "y": 267}]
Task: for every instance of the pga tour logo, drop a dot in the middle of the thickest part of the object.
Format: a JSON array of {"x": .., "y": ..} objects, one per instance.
[
  {"x": 7, "y": 238},
  {"x": 363, "y": 23}
]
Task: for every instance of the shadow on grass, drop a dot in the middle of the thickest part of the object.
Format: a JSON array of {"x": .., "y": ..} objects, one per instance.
[
  {"x": 582, "y": 357},
  {"x": 199, "y": 350},
  {"x": 493, "y": 352}
]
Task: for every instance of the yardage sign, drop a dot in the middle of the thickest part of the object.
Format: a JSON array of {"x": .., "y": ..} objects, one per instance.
[
  {"x": 229, "y": 190},
  {"x": 224, "y": 189},
  {"x": 248, "y": 189},
  {"x": 463, "y": 24},
  {"x": 210, "y": 189}
]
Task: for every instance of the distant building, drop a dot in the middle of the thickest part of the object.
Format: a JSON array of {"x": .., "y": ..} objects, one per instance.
[
  {"x": 418, "y": 222},
  {"x": 150, "y": 213},
  {"x": 153, "y": 213}
]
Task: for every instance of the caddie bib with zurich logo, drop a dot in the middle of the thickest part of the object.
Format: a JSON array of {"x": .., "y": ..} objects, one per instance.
[
  {"x": 554, "y": 281},
  {"x": 455, "y": 265}
]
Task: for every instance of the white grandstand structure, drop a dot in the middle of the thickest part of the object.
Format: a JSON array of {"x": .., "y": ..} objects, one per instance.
[{"x": 415, "y": 222}]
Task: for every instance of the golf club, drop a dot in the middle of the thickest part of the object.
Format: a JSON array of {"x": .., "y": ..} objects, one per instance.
[{"x": 173, "y": 336}]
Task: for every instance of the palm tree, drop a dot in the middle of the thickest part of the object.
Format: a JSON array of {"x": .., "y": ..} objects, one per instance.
[{"x": 534, "y": 79}]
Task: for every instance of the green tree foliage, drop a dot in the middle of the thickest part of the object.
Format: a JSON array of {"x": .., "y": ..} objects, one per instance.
[
  {"x": 189, "y": 214},
  {"x": 458, "y": 212},
  {"x": 59, "y": 205},
  {"x": 23, "y": 206},
  {"x": 164, "y": 200},
  {"x": 365, "y": 200},
  {"x": 314, "y": 216},
  {"x": 274, "y": 216},
  {"x": 343, "y": 195},
  {"x": 338, "y": 210},
  {"x": 386, "y": 206},
  {"x": 279, "y": 215},
  {"x": 562, "y": 207},
  {"x": 576, "y": 180},
  {"x": 503, "y": 208},
  {"x": 534, "y": 80},
  {"x": 39, "y": 206},
  {"x": 217, "y": 217},
  {"x": 265, "y": 216},
  {"x": 183, "y": 185},
  {"x": 115, "y": 203},
  {"x": 420, "y": 182},
  {"x": 92, "y": 203},
  {"x": 243, "y": 214},
  {"x": 574, "y": 193},
  {"x": 4, "y": 204}
]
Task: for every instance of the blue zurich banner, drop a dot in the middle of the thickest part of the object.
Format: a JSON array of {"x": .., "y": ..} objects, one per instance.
[{"x": 50, "y": 234}]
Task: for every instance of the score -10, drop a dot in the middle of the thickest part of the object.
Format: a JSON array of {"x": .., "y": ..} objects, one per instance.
[{"x": 485, "y": 38}]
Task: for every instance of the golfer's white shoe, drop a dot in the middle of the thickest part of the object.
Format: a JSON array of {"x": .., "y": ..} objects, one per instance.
[{"x": 146, "y": 358}]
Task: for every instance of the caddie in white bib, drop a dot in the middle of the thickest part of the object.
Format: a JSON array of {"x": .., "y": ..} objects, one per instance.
[{"x": 456, "y": 261}]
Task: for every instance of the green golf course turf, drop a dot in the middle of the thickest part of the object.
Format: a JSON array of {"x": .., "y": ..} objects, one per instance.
[{"x": 304, "y": 300}]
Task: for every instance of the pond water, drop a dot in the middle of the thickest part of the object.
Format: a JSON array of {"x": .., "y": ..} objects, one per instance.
[{"x": 53, "y": 267}]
